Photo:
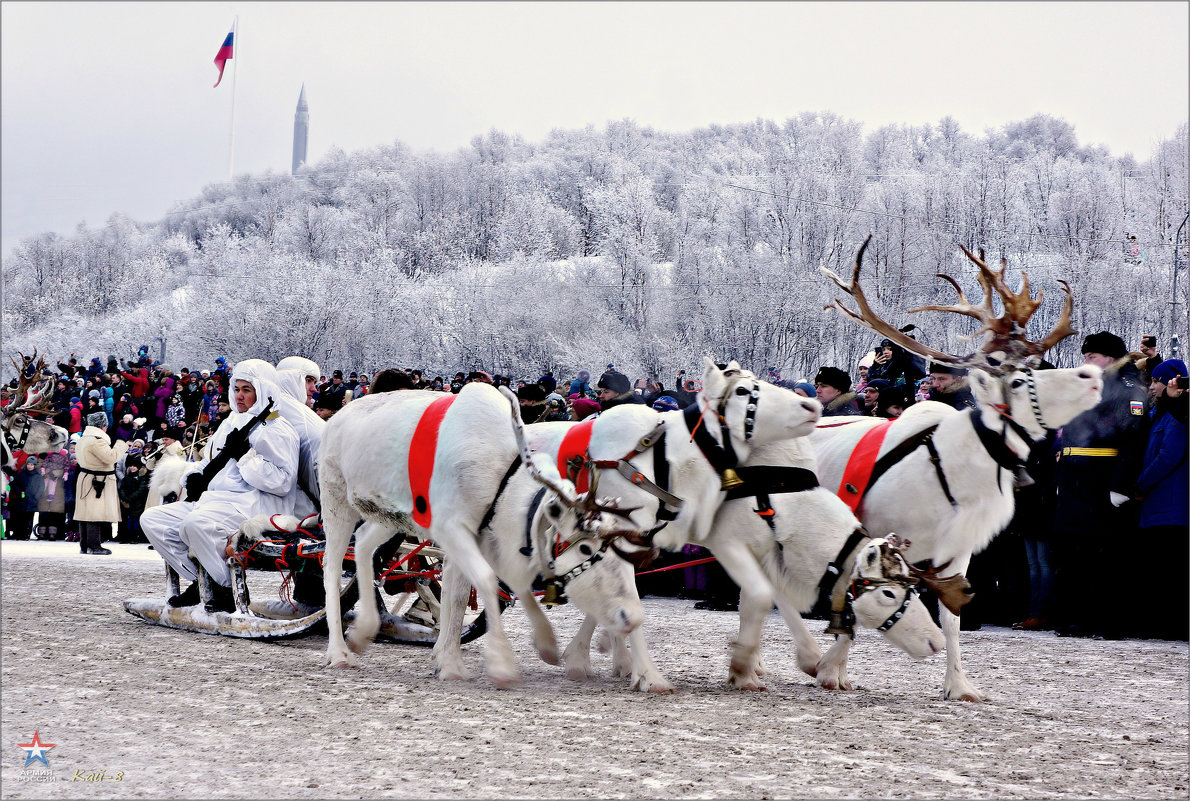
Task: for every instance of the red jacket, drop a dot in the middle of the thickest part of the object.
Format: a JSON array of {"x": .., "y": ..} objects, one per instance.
[
  {"x": 139, "y": 381},
  {"x": 76, "y": 417}
]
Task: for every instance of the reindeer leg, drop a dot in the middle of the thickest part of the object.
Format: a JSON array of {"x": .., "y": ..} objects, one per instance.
[
  {"x": 462, "y": 548},
  {"x": 367, "y": 616},
  {"x": 808, "y": 652},
  {"x": 543, "y": 633},
  {"x": 448, "y": 653},
  {"x": 645, "y": 675},
  {"x": 756, "y": 601},
  {"x": 956, "y": 687},
  {"x": 337, "y": 521},
  {"x": 832, "y": 668},
  {"x": 577, "y": 656}
]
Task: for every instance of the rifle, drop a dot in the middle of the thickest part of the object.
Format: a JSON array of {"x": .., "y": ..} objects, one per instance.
[{"x": 235, "y": 446}]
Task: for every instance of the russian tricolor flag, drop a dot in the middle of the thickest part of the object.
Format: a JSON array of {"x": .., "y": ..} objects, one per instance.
[{"x": 225, "y": 52}]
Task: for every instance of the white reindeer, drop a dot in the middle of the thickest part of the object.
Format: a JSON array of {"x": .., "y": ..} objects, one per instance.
[
  {"x": 699, "y": 450},
  {"x": 371, "y": 468},
  {"x": 952, "y": 491},
  {"x": 20, "y": 430}
]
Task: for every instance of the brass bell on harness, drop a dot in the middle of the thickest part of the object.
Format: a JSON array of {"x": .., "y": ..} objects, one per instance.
[
  {"x": 730, "y": 480},
  {"x": 554, "y": 594}
]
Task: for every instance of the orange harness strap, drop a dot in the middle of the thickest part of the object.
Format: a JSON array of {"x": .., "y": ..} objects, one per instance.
[
  {"x": 858, "y": 472},
  {"x": 422, "y": 449}
]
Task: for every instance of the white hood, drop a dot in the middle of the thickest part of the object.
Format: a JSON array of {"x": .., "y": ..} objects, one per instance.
[
  {"x": 309, "y": 367},
  {"x": 293, "y": 383}
]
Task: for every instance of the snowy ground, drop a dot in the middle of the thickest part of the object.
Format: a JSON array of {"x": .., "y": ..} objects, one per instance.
[{"x": 180, "y": 715}]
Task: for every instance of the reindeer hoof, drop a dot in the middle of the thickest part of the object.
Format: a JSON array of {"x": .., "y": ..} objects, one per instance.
[
  {"x": 549, "y": 656},
  {"x": 506, "y": 682},
  {"x": 579, "y": 673},
  {"x": 341, "y": 660}
]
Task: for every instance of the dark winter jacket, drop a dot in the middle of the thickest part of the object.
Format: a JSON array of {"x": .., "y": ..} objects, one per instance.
[
  {"x": 26, "y": 490},
  {"x": 843, "y": 406},
  {"x": 1165, "y": 476},
  {"x": 1118, "y": 423},
  {"x": 133, "y": 491},
  {"x": 957, "y": 396}
]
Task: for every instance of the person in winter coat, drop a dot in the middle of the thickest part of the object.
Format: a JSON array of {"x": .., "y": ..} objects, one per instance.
[
  {"x": 260, "y": 478},
  {"x": 895, "y": 365},
  {"x": 175, "y": 413},
  {"x": 1165, "y": 506},
  {"x": 108, "y": 401},
  {"x": 76, "y": 415},
  {"x": 125, "y": 428},
  {"x": 51, "y": 511},
  {"x": 97, "y": 504},
  {"x": 949, "y": 385},
  {"x": 24, "y": 494},
  {"x": 581, "y": 385},
  {"x": 164, "y": 392},
  {"x": 582, "y": 408},
  {"x": 134, "y": 491},
  {"x": 616, "y": 390},
  {"x": 1099, "y": 458},
  {"x": 833, "y": 387},
  {"x": 138, "y": 379},
  {"x": 309, "y": 428}
]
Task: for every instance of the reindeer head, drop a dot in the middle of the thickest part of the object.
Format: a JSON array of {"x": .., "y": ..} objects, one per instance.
[
  {"x": 882, "y": 584},
  {"x": 755, "y": 412},
  {"x": 22, "y": 430}
]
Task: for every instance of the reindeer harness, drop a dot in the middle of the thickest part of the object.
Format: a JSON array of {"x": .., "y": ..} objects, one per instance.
[{"x": 842, "y": 596}]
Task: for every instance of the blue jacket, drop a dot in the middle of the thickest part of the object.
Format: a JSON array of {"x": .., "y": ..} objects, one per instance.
[{"x": 1163, "y": 481}]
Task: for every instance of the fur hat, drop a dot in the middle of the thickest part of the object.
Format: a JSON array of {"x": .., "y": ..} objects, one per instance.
[
  {"x": 584, "y": 408},
  {"x": 1168, "y": 369},
  {"x": 1106, "y": 343},
  {"x": 946, "y": 369},
  {"x": 833, "y": 377},
  {"x": 134, "y": 461},
  {"x": 97, "y": 419},
  {"x": 616, "y": 382},
  {"x": 548, "y": 382},
  {"x": 532, "y": 393}
]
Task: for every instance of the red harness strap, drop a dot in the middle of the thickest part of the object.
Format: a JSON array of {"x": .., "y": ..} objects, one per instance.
[
  {"x": 575, "y": 444},
  {"x": 860, "y": 464},
  {"x": 422, "y": 449}
]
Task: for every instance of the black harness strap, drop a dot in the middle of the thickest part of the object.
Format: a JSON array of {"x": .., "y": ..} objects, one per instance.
[
  {"x": 661, "y": 474},
  {"x": 512, "y": 468},
  {"x": 761, "y": 481},
  {"x": 537, "y": 496},
  {"x": 994, "y": 443},
  {"x": 902, "y": 449},
  {"x": 842, "y": 620},
  {"x": 720, "y": 458}
]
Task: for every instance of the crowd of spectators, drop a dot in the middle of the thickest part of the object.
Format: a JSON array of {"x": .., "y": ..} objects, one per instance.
[{"x": 1022, "y": 577}]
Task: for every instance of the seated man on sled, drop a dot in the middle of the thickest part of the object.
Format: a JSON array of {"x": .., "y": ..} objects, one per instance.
[{"x": 252, "y": 469}]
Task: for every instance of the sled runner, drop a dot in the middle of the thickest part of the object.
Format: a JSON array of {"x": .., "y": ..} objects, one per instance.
[{"x": 407, "y": 590}]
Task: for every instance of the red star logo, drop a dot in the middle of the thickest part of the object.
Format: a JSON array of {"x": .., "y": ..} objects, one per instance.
[{"x": 35, "y": 751}]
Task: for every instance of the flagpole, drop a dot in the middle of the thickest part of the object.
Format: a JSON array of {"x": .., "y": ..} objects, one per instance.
[{"x": 235, "y": 53}]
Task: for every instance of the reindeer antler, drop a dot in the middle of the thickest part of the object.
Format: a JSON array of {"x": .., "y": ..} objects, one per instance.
[
  {"x": 32, "y": 394},
  {"x": 587, "y": 503},
  {"x": 872, "y": 321},
  {"x": 1006, "y": 340}
]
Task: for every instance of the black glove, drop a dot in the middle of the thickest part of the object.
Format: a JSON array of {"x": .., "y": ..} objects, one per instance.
[
  {"x": 196, "y": 485},
  {"x": 236, "y": 444}
]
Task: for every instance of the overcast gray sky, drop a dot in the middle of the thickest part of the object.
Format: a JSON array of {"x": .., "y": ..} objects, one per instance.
[{"x": 109, "y": 107}]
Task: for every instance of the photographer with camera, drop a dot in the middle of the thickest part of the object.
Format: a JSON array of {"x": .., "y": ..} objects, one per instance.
[{"x": 253, "y": 469}]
